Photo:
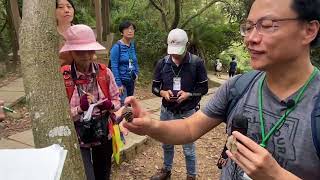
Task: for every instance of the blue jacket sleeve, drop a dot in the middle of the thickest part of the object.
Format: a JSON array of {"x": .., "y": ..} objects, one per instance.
[{"x": 114, "y": 59}]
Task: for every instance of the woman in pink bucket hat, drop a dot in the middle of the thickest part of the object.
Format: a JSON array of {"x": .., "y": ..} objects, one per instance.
[{"x": 86, "y": 83}]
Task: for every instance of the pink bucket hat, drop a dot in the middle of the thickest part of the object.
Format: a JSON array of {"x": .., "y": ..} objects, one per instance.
[{"x": 80, "y": 38}]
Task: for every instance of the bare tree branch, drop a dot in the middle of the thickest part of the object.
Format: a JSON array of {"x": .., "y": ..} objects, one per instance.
[
  {"x": 4, "y": 26},
  {"x": 201, "y": 11},
  {"x": 177, "y": 5},
  {"x": 163, "y": 14}
]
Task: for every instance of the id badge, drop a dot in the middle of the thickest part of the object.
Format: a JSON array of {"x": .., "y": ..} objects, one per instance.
[
  {"x": 130, "y": 64},
  {"x": 177, "y": 83}
]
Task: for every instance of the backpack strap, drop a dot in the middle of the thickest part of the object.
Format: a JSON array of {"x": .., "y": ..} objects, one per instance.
[
  {"x": 104, "y": 80},
  {"x": 193, "y": 60},
  {"x": 315, "y": 125},
  {"x": 239, "y": 87},
  {"x": 68, "y": 81}
]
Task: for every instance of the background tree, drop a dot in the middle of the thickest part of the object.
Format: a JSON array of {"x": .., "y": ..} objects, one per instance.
[{"x": 44, "y": 86}]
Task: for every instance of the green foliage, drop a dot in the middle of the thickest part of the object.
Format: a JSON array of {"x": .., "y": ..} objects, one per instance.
[
  {"x": 236, "y": 50},
  {"x": 83, "y": 16}
]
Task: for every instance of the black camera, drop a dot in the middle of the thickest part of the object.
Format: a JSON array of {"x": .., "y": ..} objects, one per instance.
[{"x": 94, "y": 130}]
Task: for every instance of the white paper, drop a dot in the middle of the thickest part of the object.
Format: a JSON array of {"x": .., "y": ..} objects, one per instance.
[
  {"x": 32, "y": 164},
  {"x": 88, "y": 114}
]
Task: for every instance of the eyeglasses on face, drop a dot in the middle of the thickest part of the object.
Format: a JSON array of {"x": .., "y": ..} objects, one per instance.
[{"x": 263, "y": 25}]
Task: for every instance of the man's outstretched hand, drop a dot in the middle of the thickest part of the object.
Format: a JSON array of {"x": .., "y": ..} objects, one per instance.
[{"x": 142, "y": 123}]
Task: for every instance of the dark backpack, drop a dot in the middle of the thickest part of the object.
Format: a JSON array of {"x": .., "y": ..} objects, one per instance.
[
  {"x": 193, "y": 62},
  {"x": 241, "y": 86}
]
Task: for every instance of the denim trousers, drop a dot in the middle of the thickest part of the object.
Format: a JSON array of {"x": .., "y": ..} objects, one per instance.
[
  {"x": 188, "y": 149},
  {"x": 128, "y": 90}
]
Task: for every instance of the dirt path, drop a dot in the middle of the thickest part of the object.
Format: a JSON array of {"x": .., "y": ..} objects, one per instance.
[{"x": 208, "y": 149}]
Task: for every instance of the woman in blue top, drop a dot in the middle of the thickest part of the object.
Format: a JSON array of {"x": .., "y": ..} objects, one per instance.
[{"x": 123, "y": 58}]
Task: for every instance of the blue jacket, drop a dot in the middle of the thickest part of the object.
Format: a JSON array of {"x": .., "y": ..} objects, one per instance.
[{"x": 119, "y": 58}]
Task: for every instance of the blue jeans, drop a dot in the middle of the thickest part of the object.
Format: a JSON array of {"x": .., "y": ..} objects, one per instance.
[
  {"x": 128, "y": 90},
  {"x": 188, "y": 149}
]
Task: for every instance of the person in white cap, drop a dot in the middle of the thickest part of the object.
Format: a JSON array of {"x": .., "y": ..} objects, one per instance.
[
  {"x": 180, "y": 78},
  {"x": 87, "y": 82}
]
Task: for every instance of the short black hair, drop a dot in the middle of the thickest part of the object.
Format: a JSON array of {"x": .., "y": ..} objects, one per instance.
[
  {"x": 74, "y": 9},
  {"x": 125, "y": 24},
  {"x": 308, "y": 10},
  {"x": 57, "y": 3}
]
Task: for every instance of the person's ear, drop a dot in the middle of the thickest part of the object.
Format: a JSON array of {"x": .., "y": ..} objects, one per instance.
[{"x": 311, "y": 31}]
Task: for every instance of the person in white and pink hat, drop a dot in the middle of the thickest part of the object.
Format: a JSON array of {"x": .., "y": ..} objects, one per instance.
[{"x": 88, "y": 82}]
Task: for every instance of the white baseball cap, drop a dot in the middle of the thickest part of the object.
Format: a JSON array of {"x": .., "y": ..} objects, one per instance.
[{"x": 177, "y": 41}]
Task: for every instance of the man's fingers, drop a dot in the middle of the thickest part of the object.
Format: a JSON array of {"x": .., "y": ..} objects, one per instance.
[
  {"x": 246, "y": 155},
  {"x": 136, "y": 107},
  {"x": 250, "y": 144},
  {"x": 136, "y": 126},
  {"x": 179, "y": 93},
  {"x": 240, "y": 161}
]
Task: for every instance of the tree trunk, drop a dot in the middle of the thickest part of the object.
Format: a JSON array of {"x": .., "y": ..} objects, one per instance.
[
  {"x": 13, "y": 25},
  {"x": 177, "y": 9},
  {"x": 16, "y": 18},
  {"x": 163, "y": 14},
  {"x": 106, "y": 19},
  {"x": 44, "y": 86},
  {"x": 97, "y": 6}
]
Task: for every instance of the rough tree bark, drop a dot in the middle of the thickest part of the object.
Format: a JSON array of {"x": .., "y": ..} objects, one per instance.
[{"x": 44, "y": 86}]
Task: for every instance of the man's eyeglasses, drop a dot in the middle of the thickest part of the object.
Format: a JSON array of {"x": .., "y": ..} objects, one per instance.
[{"x": 263, "y": 26}]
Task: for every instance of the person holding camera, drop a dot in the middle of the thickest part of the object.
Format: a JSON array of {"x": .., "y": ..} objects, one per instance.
[
  {"x": 180, "y": 78},
  {"x": 88, "y": 83}
]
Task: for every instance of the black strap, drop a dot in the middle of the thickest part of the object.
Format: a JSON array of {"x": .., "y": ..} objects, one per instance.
[
  {"x": 239, "y": 87},
  {"x": 315, "y": 125},
  {"x": 75, "y": 78}
]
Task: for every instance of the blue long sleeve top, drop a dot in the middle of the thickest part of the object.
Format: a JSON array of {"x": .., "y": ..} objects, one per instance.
[{"x": 120, "y": 54}]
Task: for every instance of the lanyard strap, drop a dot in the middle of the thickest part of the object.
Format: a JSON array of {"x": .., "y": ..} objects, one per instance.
[
  {"x": 281, "y": 120},
  {"x": 177, "y": 75}
]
